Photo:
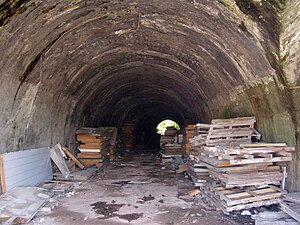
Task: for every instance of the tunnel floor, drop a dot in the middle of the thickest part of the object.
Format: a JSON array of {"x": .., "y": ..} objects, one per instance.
[{"x": 134, "y": 189}]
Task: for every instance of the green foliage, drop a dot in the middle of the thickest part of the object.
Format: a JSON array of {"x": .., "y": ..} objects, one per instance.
[{"x": 162, "y": 126}]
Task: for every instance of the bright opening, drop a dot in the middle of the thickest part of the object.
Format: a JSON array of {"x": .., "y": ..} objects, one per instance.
[{"x": 162, "y": 126}]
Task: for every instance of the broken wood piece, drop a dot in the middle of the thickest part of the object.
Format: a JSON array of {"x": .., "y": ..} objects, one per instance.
[
  {"x": 184, "y": 167},
  {"x": 9, "y": 221},
  {"x": 4, "y": 217},
  {"x": 78, "y": 163},
  {"x": 2, "y": 176},
  {"x": 194, "y": 192}
]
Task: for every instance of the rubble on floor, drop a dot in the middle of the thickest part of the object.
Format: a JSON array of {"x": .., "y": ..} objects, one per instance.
[
  {"x": 21, "y": 204},
  {"x": 142, "y": 193}
]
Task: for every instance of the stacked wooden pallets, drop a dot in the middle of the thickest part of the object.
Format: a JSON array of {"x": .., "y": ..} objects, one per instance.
[
  {"x": 235, "y": 164},
  {"x": 189, "y": 133},
  {"x": 233, "y": 199},
  {"x": 169, "y": 145},
  {"x": 128, "y": 138},
  {"x": 95, "y": 145},
  {"x": 198, "y": 171}
]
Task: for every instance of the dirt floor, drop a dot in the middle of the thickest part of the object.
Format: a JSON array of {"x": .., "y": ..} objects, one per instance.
[{"x": 135, "y": 189}]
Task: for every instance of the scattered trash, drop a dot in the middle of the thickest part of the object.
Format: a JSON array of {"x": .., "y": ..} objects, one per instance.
[
  {"x": 71, "y": 193},
  {"x": 186, "y": 214},
  {"x": 246, "y": 213}
]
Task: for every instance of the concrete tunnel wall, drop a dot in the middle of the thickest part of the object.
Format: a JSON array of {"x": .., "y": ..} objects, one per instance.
[{"x": 66, "y": 64}]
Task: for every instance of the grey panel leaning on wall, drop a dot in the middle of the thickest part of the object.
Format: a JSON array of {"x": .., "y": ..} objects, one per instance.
[{"x": 27, "y": 168}]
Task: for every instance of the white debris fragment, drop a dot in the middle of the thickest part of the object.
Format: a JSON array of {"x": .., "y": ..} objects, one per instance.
[
  {"x": 246, "y": 213},
  {"x": 71, "y": 193}
]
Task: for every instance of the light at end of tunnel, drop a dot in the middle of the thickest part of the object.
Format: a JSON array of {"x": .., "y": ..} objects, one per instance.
[{"x": 162, "y": 126}]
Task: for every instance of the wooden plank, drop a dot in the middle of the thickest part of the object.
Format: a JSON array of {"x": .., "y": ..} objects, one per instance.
[
  {"x": 91, "y": 162},
  {"x": 214, "y": 161},
  {"x": 78, "y": 163},
  {"x": 293, "y": 209},
  {"x": 261, "y": 144},
  {"x": 184, "y": 167},
  {"x": 260, "y": 160},
  {"x": 89, "y": 155},
  {"x": 2, "y": 176},
  {"x": 194, "y": 192},
  {"x": 284, "y": 178},
  {"x": 89, "y": 150}
]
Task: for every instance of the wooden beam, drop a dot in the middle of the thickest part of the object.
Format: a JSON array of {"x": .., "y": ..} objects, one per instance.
[
  {"x": 292, "y": 209},
  {"x": 2, "y": 176},
  {"x": 78, "y": 163}
]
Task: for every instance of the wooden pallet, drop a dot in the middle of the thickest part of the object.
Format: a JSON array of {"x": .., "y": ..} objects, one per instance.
[
  {"x": 236, "y": 196},
  {"x": 264, "y": 148},
  {"x": 231, "y": 131},
  {"x": 94, "y": 162},
  {"x": 269, "y": 175},
  {"x": 229, "y": 200},
  {"x": 254, "y": 156}
]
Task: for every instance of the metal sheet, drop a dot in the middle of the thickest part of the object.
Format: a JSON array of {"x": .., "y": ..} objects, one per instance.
[
  {"x": 27, "y": 168},
  {"x": 57, "y": 155}
]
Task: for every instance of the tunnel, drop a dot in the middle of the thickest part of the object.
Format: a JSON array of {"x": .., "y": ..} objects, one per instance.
[{"x": 86, "y": 63}]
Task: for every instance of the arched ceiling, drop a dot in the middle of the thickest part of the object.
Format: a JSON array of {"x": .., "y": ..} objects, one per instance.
[{"x": 105, "y": 61}]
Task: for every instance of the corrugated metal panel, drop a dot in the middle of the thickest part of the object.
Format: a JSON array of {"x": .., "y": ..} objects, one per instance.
[{"x": 27, "y": 168}]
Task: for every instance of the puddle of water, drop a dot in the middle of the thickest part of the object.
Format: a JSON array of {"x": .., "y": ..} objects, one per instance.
[
  {"x": 106, "y": 210},
  {"x": 123, "y": 182},
  {"x": 148, "y": 198},
  {"x": 130, "y": 217}
]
